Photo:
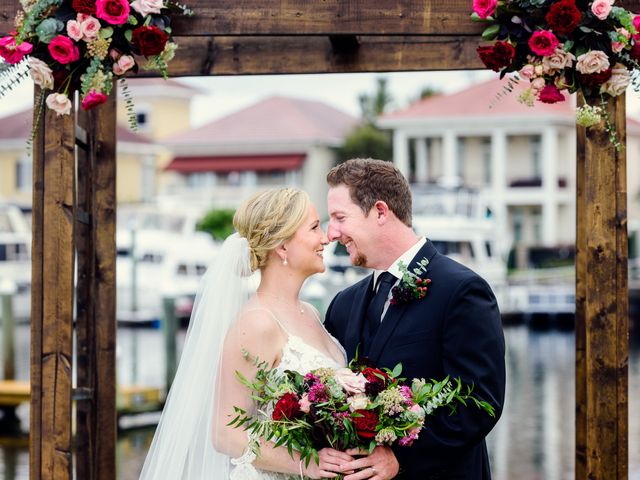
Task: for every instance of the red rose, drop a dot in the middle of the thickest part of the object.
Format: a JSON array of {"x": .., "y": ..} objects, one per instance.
[
  {"x": 550, "y": 94},
  {"x": 594, "y": 80},
  {"x": 376, "y": 380},
  {"x": 84, "y": 6},
  {"x": 287, "y": 407},
  {"x": 563, "y": 17},
  {"x": 149, "y": 40},
  {"x": 365, "y": 422},
  {"x": 115, "y": 12},
  {"x": 93, "y": 99},
  {"x": 635, "y": 50},
  {"x": 497, "y": 56}
]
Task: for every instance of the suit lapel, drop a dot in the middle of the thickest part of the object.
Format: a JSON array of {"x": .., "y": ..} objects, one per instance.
[
  {"x": 357, "y": 317},
  {"x": 395, "y": 312}
]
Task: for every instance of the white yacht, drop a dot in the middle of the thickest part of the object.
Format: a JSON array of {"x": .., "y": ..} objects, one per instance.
[{"x": 15, "y": 257}]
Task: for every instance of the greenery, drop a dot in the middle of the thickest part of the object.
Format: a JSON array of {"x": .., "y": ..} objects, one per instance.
[
  {"x": 218, "y": 223},
  {"x": 366, "y": 141}
]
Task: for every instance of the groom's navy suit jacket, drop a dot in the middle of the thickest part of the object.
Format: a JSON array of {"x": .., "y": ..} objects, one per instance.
[{"x": 455, "y": 330}]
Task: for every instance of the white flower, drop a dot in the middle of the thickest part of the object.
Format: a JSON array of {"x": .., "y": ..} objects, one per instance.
[
  {"x": 41, "y": 73},
  {"x": 358, "y": 402},
  {"x": 594, "y": 61},
  {"x": 619, "y": 81},
  {"x": 59, "y": 103},
  {"x": 145, "y": 7},
  {"x": 559, "y": 60},
  {"x": 351, "y": 382}
]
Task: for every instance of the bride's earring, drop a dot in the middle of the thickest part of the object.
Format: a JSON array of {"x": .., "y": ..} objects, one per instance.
[{"x": 284, "y": 261}]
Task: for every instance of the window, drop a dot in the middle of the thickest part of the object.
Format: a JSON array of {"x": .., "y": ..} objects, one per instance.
[
  {"x": 486, "y": 161},
  {"x": 536, "y": 156},
  {"x": 24, "y": 174}
]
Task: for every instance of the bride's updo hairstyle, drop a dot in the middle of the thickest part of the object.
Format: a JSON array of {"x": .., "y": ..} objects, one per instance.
[{"x": 269, "y": 218}]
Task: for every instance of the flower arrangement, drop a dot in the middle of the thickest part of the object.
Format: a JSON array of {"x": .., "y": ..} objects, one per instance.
[
  {"x": 85, "y": 45},
  {"x": 592, "y": 47},
  {"x": 358, "y": 406},
  {"x": 412, "y": 286}
]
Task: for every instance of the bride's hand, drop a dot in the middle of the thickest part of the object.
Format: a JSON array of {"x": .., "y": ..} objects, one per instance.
[{"x": 330, "y": 464}]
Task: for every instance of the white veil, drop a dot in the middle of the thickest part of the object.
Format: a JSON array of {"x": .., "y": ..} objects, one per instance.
[{"x": 182, "y": 447}]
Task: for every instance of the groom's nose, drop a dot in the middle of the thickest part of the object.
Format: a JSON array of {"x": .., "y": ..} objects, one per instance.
[{"x": 333, "y": 233}]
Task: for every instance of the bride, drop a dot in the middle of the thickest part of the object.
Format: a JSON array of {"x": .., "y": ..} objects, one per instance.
[{"x": 279, "y": 234}]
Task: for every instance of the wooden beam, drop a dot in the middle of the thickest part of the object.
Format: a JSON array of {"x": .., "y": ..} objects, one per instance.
[
  {"x": 95, "y": 294},
  {"x": 329, "y": 17},
  {"x": 52, "y": 298},
  {"x": 602, "y": 309},
  {"x": 268, "y": 55}
]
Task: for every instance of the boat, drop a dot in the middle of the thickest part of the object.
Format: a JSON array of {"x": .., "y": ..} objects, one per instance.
[{"x": 15, "y": 258}]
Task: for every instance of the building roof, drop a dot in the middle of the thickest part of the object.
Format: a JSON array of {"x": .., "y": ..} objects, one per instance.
[
  {"x": 18, "y": 127},
  {"x": 273, "y": 120},
  {"x": 481, "y": 100}
]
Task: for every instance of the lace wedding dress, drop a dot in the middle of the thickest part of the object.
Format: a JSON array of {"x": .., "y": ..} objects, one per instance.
[{"x": 299, "y": 356}]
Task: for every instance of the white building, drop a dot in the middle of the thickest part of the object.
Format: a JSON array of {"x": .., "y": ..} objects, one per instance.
[{"x": 522, "y": 159}]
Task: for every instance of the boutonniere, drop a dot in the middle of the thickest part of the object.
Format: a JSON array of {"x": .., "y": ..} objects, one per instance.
[{"x": 413, "y": 285}]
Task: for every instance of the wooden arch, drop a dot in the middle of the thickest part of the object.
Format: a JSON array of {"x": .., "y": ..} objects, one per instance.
[{"x": 74, "y": 213}]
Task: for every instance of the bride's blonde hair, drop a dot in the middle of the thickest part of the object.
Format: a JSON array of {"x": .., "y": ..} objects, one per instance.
[{"x": 269, "y": 218}]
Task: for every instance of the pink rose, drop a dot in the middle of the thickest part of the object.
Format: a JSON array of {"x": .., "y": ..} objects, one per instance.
[
  {"x": 349, "y": 381},
  {"x": 115, "y": 12},
  {"x": 90, "y": 28},
  {"x": 618, "y": 82},
  {"x": 124, "y": 63},
  {"x": 550, "y": 94},
  {"x": 594, "y": 61},
  {"x": 12, "y": 52},
  {"x": 63, "y": 50},
  {"x": 305, "y": 403},
  {"x": 74, "y": 30},
  {"x": 601, "y": 8},
  {"x": 93, "y": 99},
  {"x": 59, "y": 103},
  {"x": 543, "y": 43},
  {"x": 145, "y": 7},
  {"x": 538, "y": 83},
  {"x": 485, "y": 8},
  {"x": 527, "y": 71}
]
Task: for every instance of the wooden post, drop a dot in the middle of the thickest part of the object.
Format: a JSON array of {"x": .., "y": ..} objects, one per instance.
[
  {"x": 602, "y": 322},
  {"x": 52, "y": 297},
  {"x": 170, "y": 328},
  {"x": 96, "y": 324}
]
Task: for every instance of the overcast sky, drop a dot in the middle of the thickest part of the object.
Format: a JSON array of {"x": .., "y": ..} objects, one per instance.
[{"x": 222, "y": 95}]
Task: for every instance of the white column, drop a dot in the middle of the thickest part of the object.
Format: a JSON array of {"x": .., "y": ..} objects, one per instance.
[
  {"x": 401, "y": 152},
  {"x": 449, "y": 159},
  {"x": 422, "y": 160},
  {"x": 499, "y": 187},
  {"x": 549, "y": 186}
]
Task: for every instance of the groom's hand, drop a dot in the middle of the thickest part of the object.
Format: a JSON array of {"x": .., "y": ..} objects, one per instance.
[{"x": 380, "y": 465}]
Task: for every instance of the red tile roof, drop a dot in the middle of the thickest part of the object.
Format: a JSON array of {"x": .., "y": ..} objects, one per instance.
[
  {"x": 261, "y": 163},
  {"x": 18, "y": 127},
  {"x": 272, "y": 120},
  {"x": 480, "y": 100}
]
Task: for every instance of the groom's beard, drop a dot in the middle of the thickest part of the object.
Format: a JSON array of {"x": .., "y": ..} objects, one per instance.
[{"x": 360, "y": 260}]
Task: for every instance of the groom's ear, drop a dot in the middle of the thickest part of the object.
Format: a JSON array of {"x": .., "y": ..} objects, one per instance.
[{"x": 381, "y": 211}]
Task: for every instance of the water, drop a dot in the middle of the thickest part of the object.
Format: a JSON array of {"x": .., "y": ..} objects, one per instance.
[{"x": 534, "y": 440}]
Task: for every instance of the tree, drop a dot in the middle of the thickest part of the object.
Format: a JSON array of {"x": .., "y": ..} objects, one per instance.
[{"x": 218, "y": 223}]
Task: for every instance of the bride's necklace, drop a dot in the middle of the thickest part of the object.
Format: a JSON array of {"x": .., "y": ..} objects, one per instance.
[{"x": 297, "y": 306}]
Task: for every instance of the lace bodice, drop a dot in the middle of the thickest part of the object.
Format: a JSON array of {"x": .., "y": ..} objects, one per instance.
[{"x": 299, "y": 356}]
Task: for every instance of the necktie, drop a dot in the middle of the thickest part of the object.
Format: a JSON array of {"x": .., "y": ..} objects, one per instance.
[{"x": 376, "y": 306}]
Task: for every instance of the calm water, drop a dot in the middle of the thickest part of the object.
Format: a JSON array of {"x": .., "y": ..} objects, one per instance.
[{"x": 533, "y": 440}]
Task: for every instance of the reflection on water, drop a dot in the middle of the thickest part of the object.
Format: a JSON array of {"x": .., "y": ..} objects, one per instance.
[{"x": 534, "y": 440}]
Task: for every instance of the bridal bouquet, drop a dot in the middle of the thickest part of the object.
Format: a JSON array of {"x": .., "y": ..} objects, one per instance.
[
  {"x": 358, "y": 406},
  {"x": 84, "y": 45},
  {"x": 562, "y": 45}
]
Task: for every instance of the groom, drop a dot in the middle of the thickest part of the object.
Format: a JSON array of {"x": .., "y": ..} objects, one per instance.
[{"x": 454, "y": 330}]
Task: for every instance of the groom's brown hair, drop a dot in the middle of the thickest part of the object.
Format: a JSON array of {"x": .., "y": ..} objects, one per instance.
[{"x": 370, "y": 180}]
